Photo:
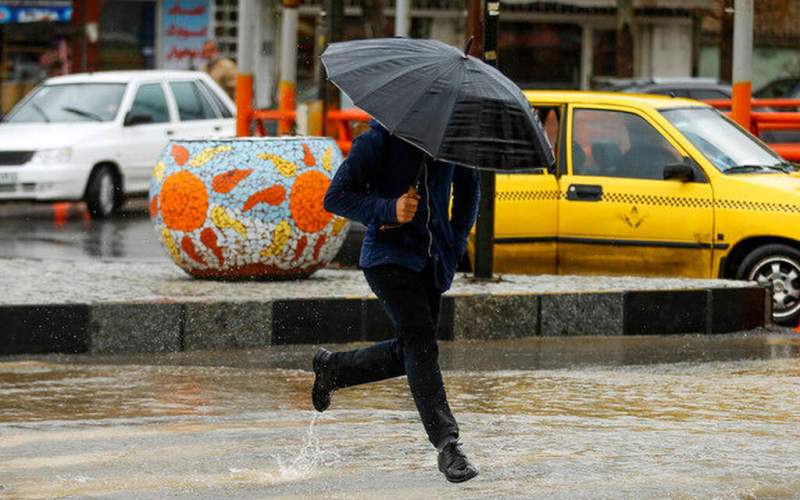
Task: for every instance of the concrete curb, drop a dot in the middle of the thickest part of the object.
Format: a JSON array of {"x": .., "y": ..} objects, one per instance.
[{"x": 132, "y": 327}]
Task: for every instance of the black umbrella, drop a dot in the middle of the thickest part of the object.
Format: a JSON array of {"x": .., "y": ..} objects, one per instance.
[{"x": 453, "y": 106}]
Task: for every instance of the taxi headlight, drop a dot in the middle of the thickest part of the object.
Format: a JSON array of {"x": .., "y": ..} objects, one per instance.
[{"x": 52, "y": 156}]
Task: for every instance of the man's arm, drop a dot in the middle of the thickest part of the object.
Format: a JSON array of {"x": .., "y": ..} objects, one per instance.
[
  {"x": 466, "y": 193},
  {"x": 348, "y": 195}
]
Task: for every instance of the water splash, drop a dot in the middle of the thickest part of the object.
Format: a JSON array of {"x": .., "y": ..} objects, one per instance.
[{"x": 310, "y": 459}]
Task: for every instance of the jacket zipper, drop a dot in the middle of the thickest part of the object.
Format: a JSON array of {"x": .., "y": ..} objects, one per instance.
[{"x": 428, "y": 206}]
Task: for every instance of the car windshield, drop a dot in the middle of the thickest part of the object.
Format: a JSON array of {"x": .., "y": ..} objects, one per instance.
[
  {"x": 728, "y": 147},
  {"x": 65, "y": 103}
]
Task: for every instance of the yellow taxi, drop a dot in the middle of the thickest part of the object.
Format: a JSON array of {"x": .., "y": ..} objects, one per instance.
[{"x": 652, "y": 186}]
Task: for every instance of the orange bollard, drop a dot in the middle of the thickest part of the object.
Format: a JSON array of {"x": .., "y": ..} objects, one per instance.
[
  {"x": 244, "y": 104},
  {"x": 60, "y": 212},
  {"x": 286, "y": 102},
  {"x": 740, "y": 102}
]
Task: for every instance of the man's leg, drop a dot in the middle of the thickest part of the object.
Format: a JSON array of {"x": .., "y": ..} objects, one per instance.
[
  {"x": 380, "y": 361},
  {"x": 412, "y": 304},
  {"x": 370, "y": 364},
  {"x": 413, "y": 308}
]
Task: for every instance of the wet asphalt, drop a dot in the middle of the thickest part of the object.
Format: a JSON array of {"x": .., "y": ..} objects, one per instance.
[{"x": 65, "y": 231}]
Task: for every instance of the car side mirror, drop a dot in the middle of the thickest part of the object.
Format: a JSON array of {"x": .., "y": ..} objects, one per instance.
[
  {"x": 679, "y": 171},
  {"x": 133, "y": 118}
]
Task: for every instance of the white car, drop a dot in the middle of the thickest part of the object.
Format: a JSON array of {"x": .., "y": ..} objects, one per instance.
[{"x": 97, "y": 136}]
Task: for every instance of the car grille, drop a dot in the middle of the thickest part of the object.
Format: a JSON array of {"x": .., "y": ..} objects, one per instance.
[{"x": 9, "y": 158}]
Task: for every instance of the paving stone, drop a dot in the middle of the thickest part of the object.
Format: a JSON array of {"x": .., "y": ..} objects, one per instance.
[
  {"x": 582, "y": 314},
  {"x": 495, "y": 317},
  {"x": 736, "y": 309},
  {"x": 44, "y": 328},
  {"x": 227, "y": 325},
  {"x": 142, "y": 327},
  {"x": 666, "y": 312}
]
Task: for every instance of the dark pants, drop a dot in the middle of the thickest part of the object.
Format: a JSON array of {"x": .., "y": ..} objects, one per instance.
[{"x": 412, "y": 304}]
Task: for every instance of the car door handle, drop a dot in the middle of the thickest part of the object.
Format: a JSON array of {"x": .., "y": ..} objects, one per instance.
[
  {"x": 584, "y": 192},
  {"x": 217, "y": 128},
  {"x": 170, "y": 132}
]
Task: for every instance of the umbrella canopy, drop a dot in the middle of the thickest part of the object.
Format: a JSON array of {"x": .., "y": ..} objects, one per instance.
[{"x": 453, "y": 106}]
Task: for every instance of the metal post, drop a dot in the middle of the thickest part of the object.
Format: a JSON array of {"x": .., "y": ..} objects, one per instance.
[
  {"x": 475, "y": 27},
  {"x": 742, "y": 61},
  {"x": 287, "y": 88},
  {"x": 587, "y": 56},
  {"x": 401, "y": 17},
  {"x": 245, "y": 58},
  {"x": 92, "y": 35},
  {"x": 333, "y": 23},
  {"x": 484, "y": 232},
  {"x": 265, "y": 59}
]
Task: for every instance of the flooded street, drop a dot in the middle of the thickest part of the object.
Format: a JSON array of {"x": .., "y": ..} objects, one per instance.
[{"x": 601, "y": 417}]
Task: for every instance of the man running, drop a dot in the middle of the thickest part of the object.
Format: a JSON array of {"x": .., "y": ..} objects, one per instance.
[{"x": 409, "y": 256}]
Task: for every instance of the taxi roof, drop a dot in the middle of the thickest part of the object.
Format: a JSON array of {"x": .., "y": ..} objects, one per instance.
[{"x": 591, "y": 97}]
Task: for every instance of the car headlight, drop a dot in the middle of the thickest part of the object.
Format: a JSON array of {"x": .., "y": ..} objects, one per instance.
[{"x": 52, "y": 156}]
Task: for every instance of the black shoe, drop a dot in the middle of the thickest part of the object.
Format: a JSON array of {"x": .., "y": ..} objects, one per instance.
[
  {"x": 454, "y": 464},
  {"x": 324, "y": 383}
]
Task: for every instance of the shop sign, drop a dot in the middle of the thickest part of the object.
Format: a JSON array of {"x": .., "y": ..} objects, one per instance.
[
  {"x": 35, "y": 12},
  {"x": 184, "y": 30}
]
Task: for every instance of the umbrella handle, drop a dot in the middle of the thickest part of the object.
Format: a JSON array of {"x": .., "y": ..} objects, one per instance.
[{"x": 384, "y": 227}]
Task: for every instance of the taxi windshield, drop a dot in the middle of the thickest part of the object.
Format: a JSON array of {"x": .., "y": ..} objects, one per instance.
[{"x": 729, "y": 148}]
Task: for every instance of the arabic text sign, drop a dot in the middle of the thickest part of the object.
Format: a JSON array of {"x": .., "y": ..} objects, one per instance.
[{"x": 184, "y": 30}]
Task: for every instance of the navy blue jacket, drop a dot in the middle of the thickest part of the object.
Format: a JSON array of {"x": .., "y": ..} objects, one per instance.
[{"x": 378, "y": 170}]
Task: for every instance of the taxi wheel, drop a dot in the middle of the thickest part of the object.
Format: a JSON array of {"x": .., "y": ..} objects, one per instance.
[
  {"x": 103, "y": 193},
  {"x": 777, "y": 266}
]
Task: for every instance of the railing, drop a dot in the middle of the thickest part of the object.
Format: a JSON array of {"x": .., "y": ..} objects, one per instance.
[
  {"x": 762, "y": 121},
  {"x": 340, "y": 123}
]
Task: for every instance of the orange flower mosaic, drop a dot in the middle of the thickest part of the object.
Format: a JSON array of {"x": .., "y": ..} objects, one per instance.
[
  {"x": 247, "y": 208},
  {"x": 184, "y": 201},
  {"x": 305, "y": 201}
]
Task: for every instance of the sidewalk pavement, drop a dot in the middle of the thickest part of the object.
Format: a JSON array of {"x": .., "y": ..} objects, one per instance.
[{"x": 57, "y": 306}]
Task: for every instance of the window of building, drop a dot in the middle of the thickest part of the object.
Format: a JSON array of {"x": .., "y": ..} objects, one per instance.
[
  {"x": 226, "y": 17},
  {"x": 150, "y": 101},
  {"x": 127, "y": 35},
  {"x": 618, "y": 144},
  {"x": 540, "y": 55},
  {"x": 192, "y": 104},
  {"x": 604, "y": 53}
]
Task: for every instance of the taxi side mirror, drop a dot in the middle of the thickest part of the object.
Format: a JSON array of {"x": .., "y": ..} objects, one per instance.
[{"x": 679, "y": 171}]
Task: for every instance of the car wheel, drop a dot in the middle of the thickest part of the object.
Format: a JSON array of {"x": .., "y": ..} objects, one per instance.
[
  {"x": 778, "y": 266},
  {"x": 102, "y": 194}
]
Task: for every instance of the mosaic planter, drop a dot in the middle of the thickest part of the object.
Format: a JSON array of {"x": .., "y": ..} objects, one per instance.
[{"x": 247, "y": 208}]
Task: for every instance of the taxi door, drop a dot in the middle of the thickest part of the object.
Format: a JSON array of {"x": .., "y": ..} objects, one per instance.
[
  {"x": 618, "y": 215},
  {"x": 526, "y": 210}
]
